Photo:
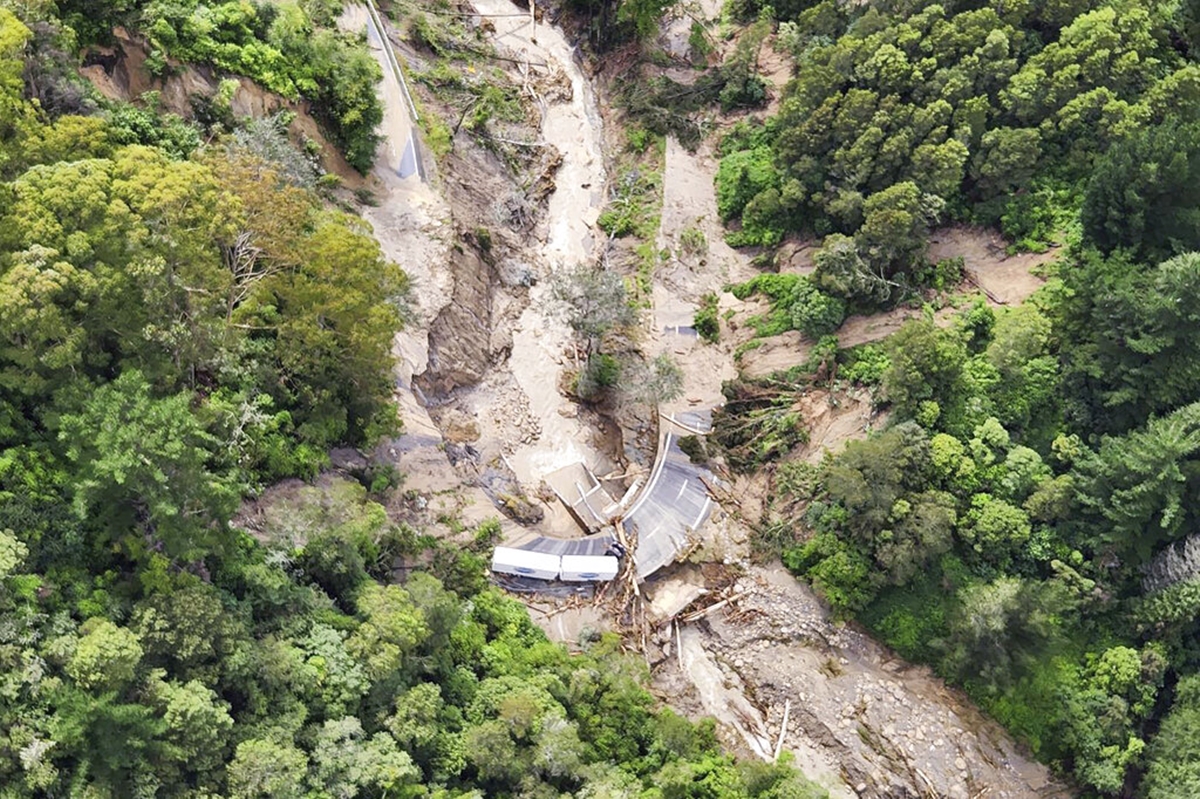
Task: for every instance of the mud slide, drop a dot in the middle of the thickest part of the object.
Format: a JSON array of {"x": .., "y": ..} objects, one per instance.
[
  {"x": 859, "y": 722},
  {"x": 574, "y": 128},
  {"x": 411, "y": 222}
]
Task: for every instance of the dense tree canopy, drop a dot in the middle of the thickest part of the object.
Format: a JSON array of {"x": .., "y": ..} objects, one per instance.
[
  {"x": 1025, "y": 522},
  {"x": 902, "y": 115}
]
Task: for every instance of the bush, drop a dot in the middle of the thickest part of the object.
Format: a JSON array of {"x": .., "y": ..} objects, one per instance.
[
  {"x": 740, "y": 177},
  {"x": 660, "y": 380},
  {"x": 602, "y": 371},
  {"x": 762, "y": 221},
  {"x": 708, "y": 326},
  {"x": 693, "y": 241},
  {"x": 816, "y": 314},
  {"x": 632, "y": 211},
  {"x": 1034, "y": 219},
  {"x": 699, "y": 48},
  {"x": 128, "y": 124},
  {"x": 796, "y": 305},
  {"x": 693, "y": 447},
  {"x": 908, "y": 619},
  {"x": 837, "y": 570},
  {"x": 304, "y": 57},
  {"x": 866, "y": 365},
  {"x": 487, "y": 535},
  {"x": 945, "y": 274},
  {"x": 743, "y": 91},
  {"x": 639, "y": 139}
]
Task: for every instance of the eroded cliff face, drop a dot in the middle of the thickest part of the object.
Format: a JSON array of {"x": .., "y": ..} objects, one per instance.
[
  {"x": 461, "y": 337},
  {"x": 119, "y": 73},
  {"x": 496, "y": 223}
]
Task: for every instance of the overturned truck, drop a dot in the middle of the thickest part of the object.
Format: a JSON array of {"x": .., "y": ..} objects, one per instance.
[{"x": 548, "y": 566}]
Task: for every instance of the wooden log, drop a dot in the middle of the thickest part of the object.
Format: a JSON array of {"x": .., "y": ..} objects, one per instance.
[
  {"x": 700, "y": 614},
  {"x": 787, "y": 708}
]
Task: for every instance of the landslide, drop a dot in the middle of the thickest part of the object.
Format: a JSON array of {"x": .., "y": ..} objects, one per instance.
[
  {"x": 119, "y": 72},
  {"x": 485, "y": 417}
]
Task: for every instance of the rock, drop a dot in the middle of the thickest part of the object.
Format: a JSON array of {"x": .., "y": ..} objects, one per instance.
[
  {"x": 460, "y": 336},
  {"x": 516, "y": 274},
  {"x": 347, "y": 459},
  {"x": 545, "y": 185},
  {"x": 458, "y": 428},
  {"x": 461, "y": 453},
  {"x": 545, "y": 493},
  {"x": 502, "y": 488}
]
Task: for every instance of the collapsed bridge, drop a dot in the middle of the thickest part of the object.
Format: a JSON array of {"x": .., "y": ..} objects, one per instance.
[{"x": 653, "y": 525}]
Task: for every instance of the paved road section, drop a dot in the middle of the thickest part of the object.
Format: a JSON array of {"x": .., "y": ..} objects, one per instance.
[
  {"x": 592, "y": 545},
  {"x": 400, "y": 113},
  {"x": 673, "y": 504}
]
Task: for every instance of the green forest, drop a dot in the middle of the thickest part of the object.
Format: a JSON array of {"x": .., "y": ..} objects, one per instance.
[
  {"x": 184, "y": 320},
  {"x": 1026, "y": 521}
]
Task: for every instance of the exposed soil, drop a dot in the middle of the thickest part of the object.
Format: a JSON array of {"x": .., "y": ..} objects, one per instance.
[
  {"x": 689, "y": 204},
  {"x": 776, "y": 68},
  {"x": 774, "y": 354},
  {"x": 1005, "y": 279},
  {"x": 524, "y": 420},
  {"x": 833, "y": 418},
  {"x": 119, "y": 73},
  {"x": 418, "y": 228},
  {"x": 861, "y": 721}
]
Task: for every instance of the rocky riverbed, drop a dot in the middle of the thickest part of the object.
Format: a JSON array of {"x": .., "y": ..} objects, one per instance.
[{"x": 860, "y": 721}]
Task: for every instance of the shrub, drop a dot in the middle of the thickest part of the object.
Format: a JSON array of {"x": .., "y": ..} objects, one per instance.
[
  {"x": 693, "y": 241},
  {"x": 693, "y": 447},
  {"x": 866, "y": 365},
  {"x": 708, "y": 326},
  {"x": 487, "y": 535},
  {"x": 602, "y": 371},
  {"x": 639, "y": 139},
  {"x": 814, "y": 313},
  {"x": 796, "y": 305},
  {"x": 741, "y": 176}
]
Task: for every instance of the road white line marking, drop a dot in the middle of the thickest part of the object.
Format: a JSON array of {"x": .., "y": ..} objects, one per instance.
[{"x": 703, "y": 512}]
